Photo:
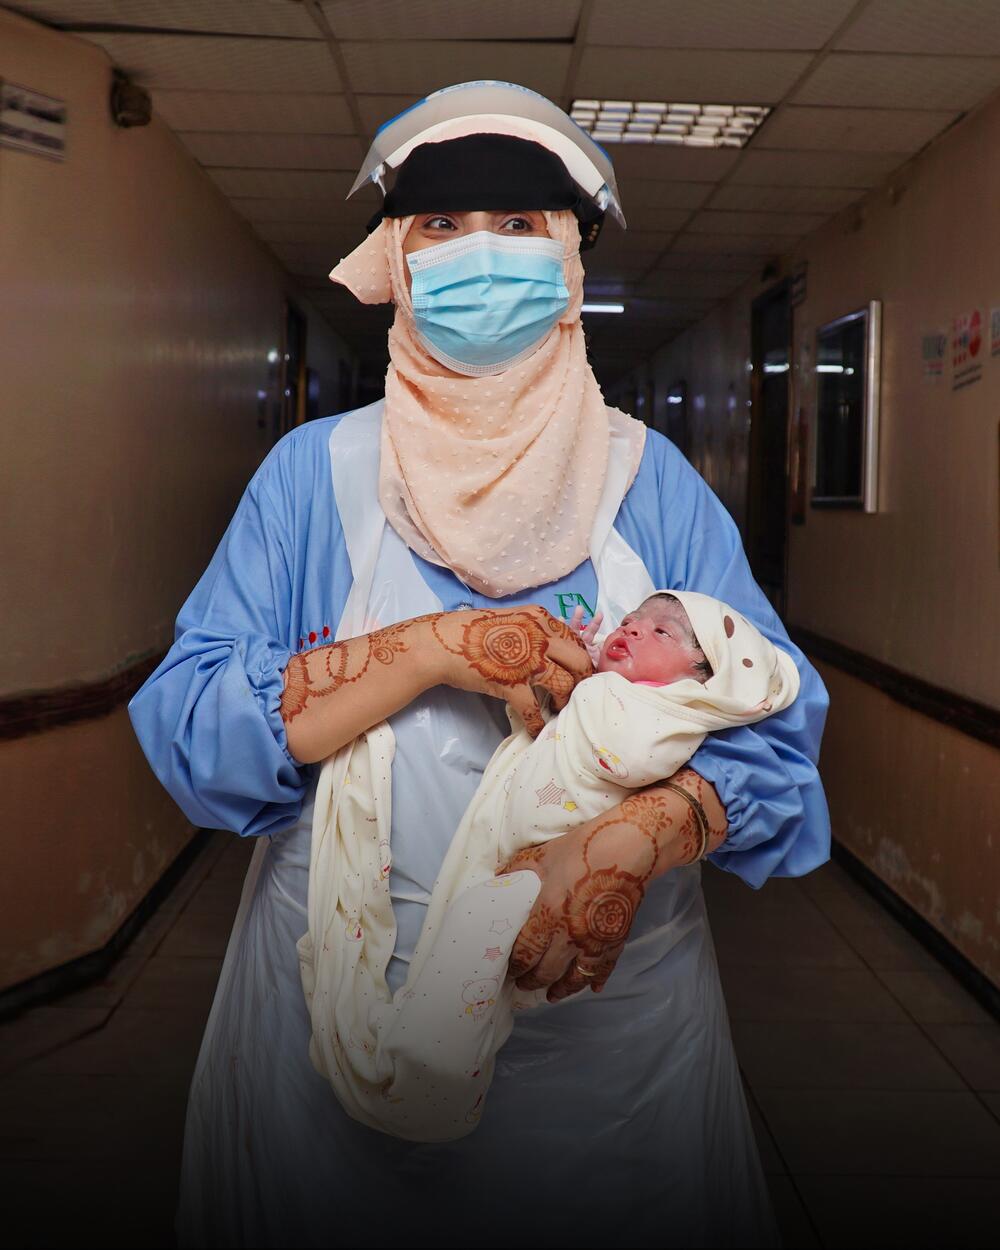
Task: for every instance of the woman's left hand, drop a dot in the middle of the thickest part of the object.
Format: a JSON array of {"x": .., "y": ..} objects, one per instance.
[{"x": 593, "y": 882}]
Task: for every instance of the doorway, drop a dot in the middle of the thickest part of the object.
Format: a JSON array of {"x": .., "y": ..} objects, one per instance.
[{"x": 767, "y": 477}]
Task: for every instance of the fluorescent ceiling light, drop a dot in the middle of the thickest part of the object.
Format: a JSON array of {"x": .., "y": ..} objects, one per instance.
[
  {"x": 693, "y": 125},
  {"x": 604, "y": 308},
  {"x": 782, "y": 368}
]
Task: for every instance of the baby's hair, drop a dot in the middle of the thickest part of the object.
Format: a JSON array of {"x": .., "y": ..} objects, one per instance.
[{"x": 702, "y": 667}]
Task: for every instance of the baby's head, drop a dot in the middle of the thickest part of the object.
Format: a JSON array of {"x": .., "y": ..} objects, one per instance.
[{"x": 655, "y": 643}]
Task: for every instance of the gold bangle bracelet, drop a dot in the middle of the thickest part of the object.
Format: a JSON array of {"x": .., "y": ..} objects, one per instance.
[{"x": 699, "y": 815}]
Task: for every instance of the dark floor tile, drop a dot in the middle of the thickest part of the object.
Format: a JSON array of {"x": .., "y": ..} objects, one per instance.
[
  {"x": 886, "y": 944},
  {"x": 877, "y": 1132},
  {"x": 728, "y": 891},
  {"x": 200, "y": 930},
  {"x": 903, "y": 1211},
  {"x": 933, "y": 996},
  {"x": 107, "y": 990},
  {"x": 840, "y": 1054},
  {"x": 234, "y": 861},
  {"x": 184, "y": 984},
  {"x": 770, "y": 1159},
  {"x": 992, "y": 1101},
  {"x": 218, "y": 894},
  {"x": 133, "y": 1206},
  {"x": 159, "y": 1043},
  {"x": 974, "y": 1049},
  {"x": 117, "y": 1119},
  {"x": 797, "y": 1232},
  {"x": 842, "y": 899},
  {"x": 788, "y": 993},
  {"x": 800, "y": 938},
  {"x": 42, "y": 1029}
]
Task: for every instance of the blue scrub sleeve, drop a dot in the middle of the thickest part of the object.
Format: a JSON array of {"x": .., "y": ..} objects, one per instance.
[
  {"x": 208, "y": 718},
  {"x": 765, "y": 774}
]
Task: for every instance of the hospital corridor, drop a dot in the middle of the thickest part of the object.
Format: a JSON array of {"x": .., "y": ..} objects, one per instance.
[{"x": 421, "y": 420}]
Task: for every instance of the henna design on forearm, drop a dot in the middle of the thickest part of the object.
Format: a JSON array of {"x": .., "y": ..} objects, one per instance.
[
  {"x": 506, "y": 648},
  {"x": 704, "y": 792},
  {"x": 383, "y": 645}
]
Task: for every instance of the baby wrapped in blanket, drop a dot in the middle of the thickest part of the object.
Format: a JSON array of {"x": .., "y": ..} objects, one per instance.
[{"x": 418, "y": 1064}]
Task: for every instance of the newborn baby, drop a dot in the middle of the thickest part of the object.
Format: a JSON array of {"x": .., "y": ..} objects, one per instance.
[{"x": 418, "y": 1064}]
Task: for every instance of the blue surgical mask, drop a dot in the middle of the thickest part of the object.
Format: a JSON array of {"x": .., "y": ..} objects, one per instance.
[{"x": 485, "y": 301}]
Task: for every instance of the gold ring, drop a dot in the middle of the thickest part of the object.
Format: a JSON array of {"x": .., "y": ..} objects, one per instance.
[{"x": 583, "y": 971}]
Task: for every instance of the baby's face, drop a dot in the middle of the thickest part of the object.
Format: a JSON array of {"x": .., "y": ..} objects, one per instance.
[{"x": 653, "y": 643}]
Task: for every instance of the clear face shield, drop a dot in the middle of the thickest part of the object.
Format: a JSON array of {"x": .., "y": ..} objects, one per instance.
[{"x": 501, "y": 107}]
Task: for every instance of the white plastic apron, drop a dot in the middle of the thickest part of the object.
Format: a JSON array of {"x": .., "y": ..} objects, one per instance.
[{"x": 617, "y": 1116}]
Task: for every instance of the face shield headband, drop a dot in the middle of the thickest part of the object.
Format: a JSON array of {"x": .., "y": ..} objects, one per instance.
[{"x": 487, "y": 173}]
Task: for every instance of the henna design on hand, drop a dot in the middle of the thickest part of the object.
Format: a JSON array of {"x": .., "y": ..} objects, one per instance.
[
  {"x": 533, "y": 940},
  {"x": 504, "y": 647},
  {"x": 602, "y": 906}
]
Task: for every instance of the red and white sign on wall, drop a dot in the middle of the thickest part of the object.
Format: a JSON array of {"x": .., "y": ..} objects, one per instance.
[{"x": 966, "y": 349}]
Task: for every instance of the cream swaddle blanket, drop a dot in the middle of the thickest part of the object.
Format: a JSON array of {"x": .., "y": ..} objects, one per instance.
[{"x": 418, "y": 1064}]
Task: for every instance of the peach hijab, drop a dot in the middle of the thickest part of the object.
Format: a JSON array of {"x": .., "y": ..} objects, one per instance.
[{"x": 497, "y": 478}]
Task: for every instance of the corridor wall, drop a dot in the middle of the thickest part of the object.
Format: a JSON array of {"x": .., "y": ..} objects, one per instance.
[
  {"x": 138, "y": 313},
  {"x": 915, "y": 587}
]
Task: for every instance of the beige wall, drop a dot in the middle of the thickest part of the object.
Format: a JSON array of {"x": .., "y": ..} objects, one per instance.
[
  {"x": 918, "y": 584},
  {"x": 136, "y": 315}
]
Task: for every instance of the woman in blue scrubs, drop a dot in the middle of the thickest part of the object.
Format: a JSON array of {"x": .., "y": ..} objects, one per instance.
[{"x": 354, "y": 586}]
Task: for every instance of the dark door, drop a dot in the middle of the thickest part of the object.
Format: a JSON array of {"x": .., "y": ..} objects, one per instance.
[{"x": 767, "y": 481}]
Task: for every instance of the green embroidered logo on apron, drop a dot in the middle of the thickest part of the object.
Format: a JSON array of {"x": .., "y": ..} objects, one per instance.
[{"x": 568, "y": 600}]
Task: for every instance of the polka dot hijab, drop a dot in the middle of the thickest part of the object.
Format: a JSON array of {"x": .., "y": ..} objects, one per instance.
[{"x": 497, "y": 478}]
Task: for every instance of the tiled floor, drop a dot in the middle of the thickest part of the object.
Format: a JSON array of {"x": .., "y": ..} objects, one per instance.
[{"x": 873, "y": 1078}]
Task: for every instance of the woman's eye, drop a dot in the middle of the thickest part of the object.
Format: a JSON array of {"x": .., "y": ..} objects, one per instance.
[
  {"x": 518, "y": 225},
  {"x": 439, "y": 223}
]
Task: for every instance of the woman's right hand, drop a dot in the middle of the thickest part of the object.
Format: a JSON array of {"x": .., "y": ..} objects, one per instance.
[{"x": 508, "y": 653}]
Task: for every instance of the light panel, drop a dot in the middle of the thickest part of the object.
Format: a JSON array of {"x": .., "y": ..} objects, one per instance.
[{"x": 657, "y": 121}]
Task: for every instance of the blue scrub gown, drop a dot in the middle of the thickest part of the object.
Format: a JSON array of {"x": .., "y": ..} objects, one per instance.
[{"x": 209, "y": 722}]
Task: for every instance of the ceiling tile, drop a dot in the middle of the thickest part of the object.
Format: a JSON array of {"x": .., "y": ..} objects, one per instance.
[
  {"x": 686, "y": 285},
  {"x": 658, "y": 162},
  {"x": 222, "y": 63},
  {"x": 710, "y": 262},
  {"x": 737, "y": 244},
  {"x": 649, "y": 193},
  {"x": 281, "y": 18},
  {"x": 874, "y": 81},
  {"x": 659, "y": 219},
  {"x": 319, "y": 257},
  {"x": 779, "y": 24},
  {"x": 378, "y": 109},
  {"x": 280, "y": 209},
  {"x": 852, "y": 130},
  {"x": 615, "y": 242},
  {"x": 817, "y": 169},
  {"x": 970, "y": 27},
  {"x": 274, "y": 112},
  {"x": 286, "y": 183},
  {"x": 712, "y": 222},
  {"x": 451, "y": 19},
  {"x": 422, "y": 67},
  {"x": 741, "y": 197},
  {"x": 298, "y": 231},
  {"x": 291, "y": 151},
  {"x": 700, "y": 77}
]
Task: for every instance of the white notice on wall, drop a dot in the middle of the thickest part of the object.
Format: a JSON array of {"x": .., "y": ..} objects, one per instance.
[
  {"x": 32, "y": 122},
  {"x": 995, "y": 331}
]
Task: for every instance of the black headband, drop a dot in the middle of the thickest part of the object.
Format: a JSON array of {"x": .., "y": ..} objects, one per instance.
[{"x": 487, "y": 172}]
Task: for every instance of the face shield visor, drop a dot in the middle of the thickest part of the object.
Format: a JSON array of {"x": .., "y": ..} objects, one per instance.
[{"x": 544, "y": 161}]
